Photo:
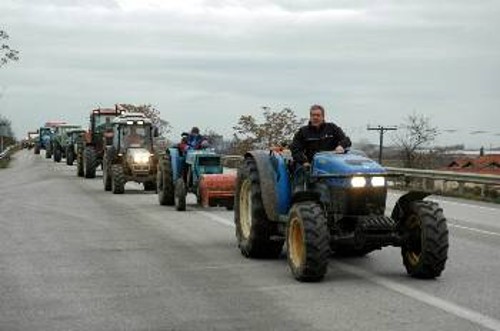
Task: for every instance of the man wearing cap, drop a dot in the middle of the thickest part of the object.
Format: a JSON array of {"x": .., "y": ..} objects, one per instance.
[{"x": 317, "y": 136}]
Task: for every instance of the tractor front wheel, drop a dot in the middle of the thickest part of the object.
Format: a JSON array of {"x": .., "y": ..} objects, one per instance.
[
  {"x": 90, "y": 162},
  {"x": 118, "y": 179},
  {"x": 79, "y": 164},
  {"x": 165, "y": 183},
  {"x": 308, "y": 242},
  {"x": 69, "y": 156},
  {"x": 254, "y": 230},
  {"x": 57, "y": 154},
  {"x": 180, "y": 195},
  {"x": 106, "y": 178},
  {"x": 426, "y": 249}
]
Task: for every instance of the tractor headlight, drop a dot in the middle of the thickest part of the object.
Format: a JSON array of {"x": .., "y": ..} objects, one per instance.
[
  {"x": 358, "y": 182},
  {"x": 378, "y": 181},
  {"x": 142, "y": 158}
]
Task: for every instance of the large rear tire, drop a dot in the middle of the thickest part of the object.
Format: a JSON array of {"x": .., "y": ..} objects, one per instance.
[
  {"x": 308, "y": 242},
  {"x": 165, "y": 183},
  {"x": 79, "y": 164},
  {"x": 106, "y": 176},
  {"x": 57, "y": 154},
  {"x": 253, "y": 229},
  {"x": 426, "y": 249},
  {"x": 117, "y": 179},
  {"x": 70, "y": 157},
  {"x": 90, "y": 162},
  {"x": 180, "y": 195}
]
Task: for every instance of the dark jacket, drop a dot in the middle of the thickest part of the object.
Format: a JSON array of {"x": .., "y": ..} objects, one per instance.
[{"x": 310, "y": 139}]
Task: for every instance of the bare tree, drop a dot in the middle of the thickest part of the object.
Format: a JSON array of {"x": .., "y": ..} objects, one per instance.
[
  {"x": 163, "y": 126},
  {"x": 415, "y": 133},
  {"x": 6, "y": 52},
  {"x": 277, "y": 128}
]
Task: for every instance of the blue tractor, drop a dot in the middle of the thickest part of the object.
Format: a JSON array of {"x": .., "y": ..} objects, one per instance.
[
  {"x": 197, "y": 171},
  {"x": 337, "y": 206},
  {"x": 44, "y": 141}
]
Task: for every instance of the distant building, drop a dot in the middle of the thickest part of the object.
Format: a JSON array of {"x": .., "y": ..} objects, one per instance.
[{"x": 486, "y": 164}]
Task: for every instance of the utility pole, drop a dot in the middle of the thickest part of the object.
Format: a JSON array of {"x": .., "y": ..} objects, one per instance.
[{"x": 382, "y": 130}]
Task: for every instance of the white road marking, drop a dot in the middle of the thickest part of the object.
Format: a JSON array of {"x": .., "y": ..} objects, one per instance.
[
  {"x": 447, "y": 306},
  {"x": 474, "y": 230},
  {"x": 216, "y": 218}
]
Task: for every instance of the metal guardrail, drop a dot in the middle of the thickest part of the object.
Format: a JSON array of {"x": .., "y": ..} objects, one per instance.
[{"x": 451, "y": 176}]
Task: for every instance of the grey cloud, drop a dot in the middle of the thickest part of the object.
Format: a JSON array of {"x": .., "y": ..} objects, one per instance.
[{"x": 395, "y": 58}]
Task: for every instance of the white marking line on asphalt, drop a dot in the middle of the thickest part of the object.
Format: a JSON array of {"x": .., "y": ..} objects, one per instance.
[
  {"x": 216, "y": 218},
  {"x": 474, "y": 230},
  {"x": 459, "y": 311},
  {"x": 449, "y": 307}
]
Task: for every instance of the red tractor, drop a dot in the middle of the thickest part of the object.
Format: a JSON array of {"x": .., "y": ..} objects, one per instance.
[{"x": 99, "y": 135}]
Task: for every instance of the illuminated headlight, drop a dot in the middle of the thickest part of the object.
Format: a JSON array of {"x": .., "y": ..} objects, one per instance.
[
  {"x": 141, "y": 158},
  {"x": 358, "y": 182},
  {"x": 378, "y": 181}
]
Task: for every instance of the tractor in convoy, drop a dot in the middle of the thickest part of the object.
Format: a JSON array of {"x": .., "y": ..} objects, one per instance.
[
  {"x": 60, "y": 140},
  {"x": 100, "y": 134},
  {"x": 197, "y": 171},
  {"x": 131, "y": 155},
  {"x": 336, "y": 206},
  {"x": 74, "y": 140},
  {"x": 44, "y": 141}
]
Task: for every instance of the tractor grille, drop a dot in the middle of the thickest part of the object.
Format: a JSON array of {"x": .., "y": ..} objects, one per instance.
[
  {"x": 367, "y": 201},
  {"x": 140, "y": 168}
]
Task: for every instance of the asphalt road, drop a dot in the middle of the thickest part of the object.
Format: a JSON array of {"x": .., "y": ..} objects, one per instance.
[{"x": 73, "y": 257}]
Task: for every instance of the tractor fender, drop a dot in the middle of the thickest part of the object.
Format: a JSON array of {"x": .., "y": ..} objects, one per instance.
[
  {"x": 267, "y": 177},
  {"x": 402, "y": 204}
]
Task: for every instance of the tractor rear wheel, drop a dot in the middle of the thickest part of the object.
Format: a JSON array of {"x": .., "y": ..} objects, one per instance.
[
  {"x": 165, "y": 183},
  {"x": 180, "y": 195},
  {"x": 253, "y": 229},
  {"x": 69, "y": 156},
  {"x": 79, "y": 164},
  {"x": 308, "y": 240},
  {"x": 57, "y": 154},
  {"x": 426, "y": 250},
  {"x": 90, "y": 162},
  {"x": 117, "y": 179},
  {"x": 106, "y": 176}
]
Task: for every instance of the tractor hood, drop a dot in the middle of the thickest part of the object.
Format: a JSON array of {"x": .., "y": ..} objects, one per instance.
[{"x": 330, "y": 163}]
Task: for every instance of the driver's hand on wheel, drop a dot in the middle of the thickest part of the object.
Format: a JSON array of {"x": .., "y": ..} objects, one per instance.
[{"x": 339, "y": 150}]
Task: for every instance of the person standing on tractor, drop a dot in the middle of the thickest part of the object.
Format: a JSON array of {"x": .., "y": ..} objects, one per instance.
[{"x": 317, "y": 136}]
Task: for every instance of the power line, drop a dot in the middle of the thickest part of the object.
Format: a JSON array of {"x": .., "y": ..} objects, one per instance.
[{"x": 382, "y": 130}]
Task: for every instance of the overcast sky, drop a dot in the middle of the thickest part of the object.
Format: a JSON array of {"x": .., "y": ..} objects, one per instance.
[{"x": 206, "y": 62}]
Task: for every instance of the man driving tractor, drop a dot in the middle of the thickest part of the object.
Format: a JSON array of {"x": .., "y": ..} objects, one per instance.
[
  {"x": 316, "y": 137},
  {"x": 193, "y": 140}
]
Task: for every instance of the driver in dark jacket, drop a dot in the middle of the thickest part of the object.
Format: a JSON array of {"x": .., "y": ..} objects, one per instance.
[{"x": 317, "y": 136}]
